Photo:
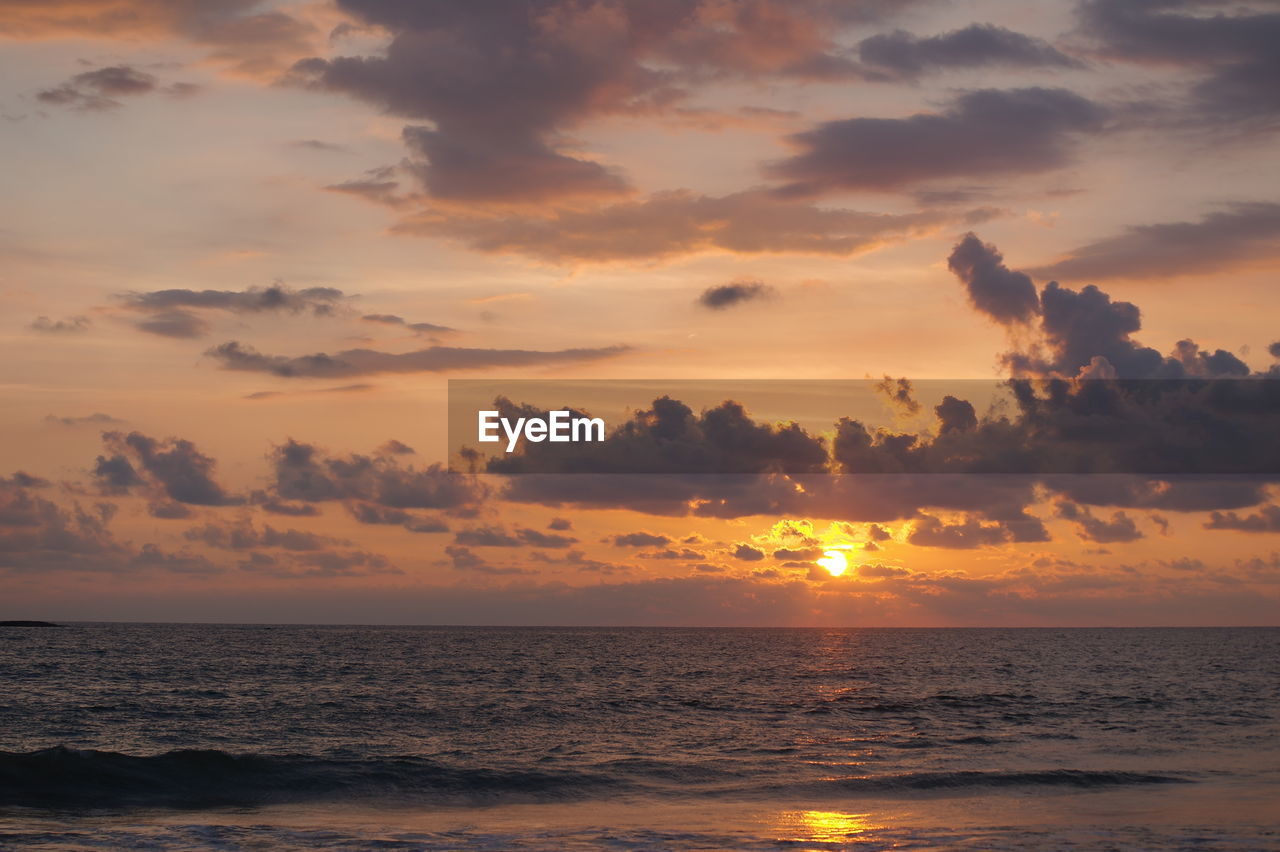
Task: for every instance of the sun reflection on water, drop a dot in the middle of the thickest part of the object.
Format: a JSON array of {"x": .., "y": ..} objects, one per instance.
[{"x": 824, "y": 826}]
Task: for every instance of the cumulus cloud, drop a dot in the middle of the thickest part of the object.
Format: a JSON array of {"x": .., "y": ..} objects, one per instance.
[
  {"x": 172, "y": 467},
  {"x": 734, "y": 293},
  {"x": 364, "y": 362},
  {"x": 1266, "y": 520},
  {"x": 900, "y": 54},
  {"x": 1120, "y": 528},
  {"x": 1083, "y": 333},
  {"x": 669, "y": 438},
  {"x": 993, "y": 289},
  {"x": 306, "y": 473},
  {"x": 1244, "y": 232}
]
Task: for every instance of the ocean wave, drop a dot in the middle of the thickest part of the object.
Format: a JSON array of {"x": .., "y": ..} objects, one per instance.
[
  {"x": 63, "y": 777},
  {"x": 87, "y": 778}
]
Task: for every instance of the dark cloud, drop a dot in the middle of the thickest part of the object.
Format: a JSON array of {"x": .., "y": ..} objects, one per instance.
[
  {"x": 995, "y": 290},
  {"x": 363, "y": 362},
  {"x": 1234, "y": 48},
  {"x": 1266, "y": 520},
  {"x": 320, "y": 301},
  {"x": 747, "y": 553},
  {"x": 679, "y": 223},
  {"x": 22, "y": 479},
  {"x": 69, "y": 325},
  {"x": 955, "y": 415},
  {"x": 306, "y": 473},
  {"x": 986, "y": 132},
  {"x": 669, "y": 438},
  {"x": 640, "y": 539},
  {"x": 1083, "y": 333},
  {"x": 899, "y": 394},
  {"x": 929, "y": 531},
  {"x": 99, "y": 89},
  {"x": 560, "y": 524},
  {"x": 900, "y": 54},
  {"x": 500, "y": 83},
  {"x": 172, "y": 467},
  {"x": 734, "y": 293},
  {"x": 1121, "y": 528},
  {"x": 178, "y": 313},
  {"x": 1240, "y": 234}
]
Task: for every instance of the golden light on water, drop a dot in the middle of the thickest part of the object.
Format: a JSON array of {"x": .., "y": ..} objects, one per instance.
[
  {"x": 835, "y": 561},
  {"x": 823, "y": 826}
]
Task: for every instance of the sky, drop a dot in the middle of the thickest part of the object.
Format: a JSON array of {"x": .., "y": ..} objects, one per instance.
[{"x": 247, "y": 245}]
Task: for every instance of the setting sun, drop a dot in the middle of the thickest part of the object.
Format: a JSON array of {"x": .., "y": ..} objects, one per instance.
[{"x": 835, "y": 562}]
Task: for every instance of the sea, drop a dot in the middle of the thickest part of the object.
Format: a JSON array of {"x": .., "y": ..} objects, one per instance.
[{"x": 252, "y": 737}]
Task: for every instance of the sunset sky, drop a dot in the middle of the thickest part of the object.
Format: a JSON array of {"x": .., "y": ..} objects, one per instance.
[{"x": 203, "y": 194}]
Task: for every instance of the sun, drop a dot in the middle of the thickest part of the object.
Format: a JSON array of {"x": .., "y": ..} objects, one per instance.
[{"x": 834, "y": 561}]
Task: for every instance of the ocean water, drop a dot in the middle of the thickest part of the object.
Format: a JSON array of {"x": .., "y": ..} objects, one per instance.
[{"x": 251, "y": 737}]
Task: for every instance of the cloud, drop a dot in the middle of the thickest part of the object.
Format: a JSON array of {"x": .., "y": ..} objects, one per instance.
[
  {"x": 370, "y": 513},
  {"x": 995, "y": 290},
  {"x": 238, "y": 34},
  {"x": 70, "y": 325},
  {"x": 99, "y": 89},
  {"x": 39, "y": 536},
  {"x": 669, "y": 438},
  {"x": 183, "y": 325},
  {"x": 464, "y": 559},
  {"x": 1267, "y": 520},
  {"x": 172, "y": 467},
  {"x": 501, "y": 84},
  {"x": 1083, "y": 333},
  {"x": 243, "y": 536},
  {"x": 1235, "y": 50},
  {"x": 1242, "y": 233},
  {"x": 364, "y": 362},
  {"x": 680, "y": 223},
  {"x": 22, "y": 479},
  {"x": 900, "y": 54},
  {"x": 735, "y": 293},
  {"x": 640, "y": 539},
  {"x": 1121, "y": 528},
  {"x": 304, "y": 472},
  {"x": 97, "y": 419},
  {"x": 415, "y": 327},
  {"x": 180, "y": 313},
  {"x": 929, "y": 531},
  {"x": 982, "y": 133},
  {"x": 747, "y": 553}
]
